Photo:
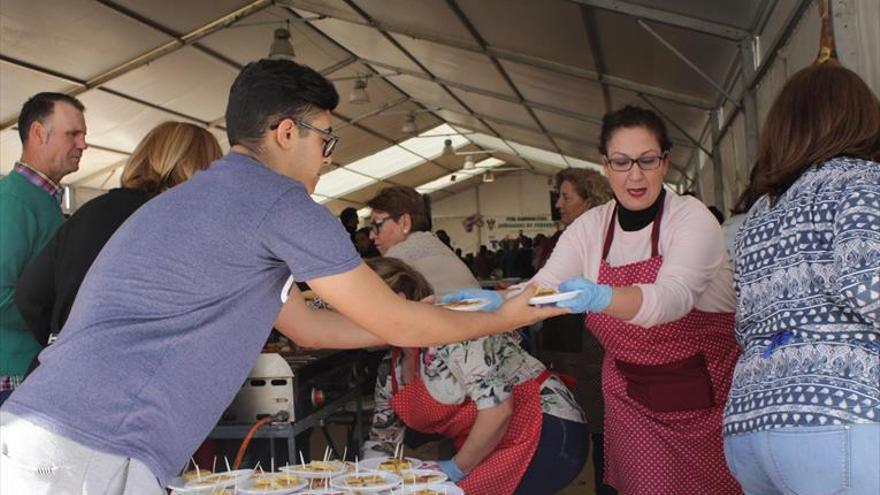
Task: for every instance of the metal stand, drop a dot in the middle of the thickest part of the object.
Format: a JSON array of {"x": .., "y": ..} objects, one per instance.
[{"x": 292, "y": 429}]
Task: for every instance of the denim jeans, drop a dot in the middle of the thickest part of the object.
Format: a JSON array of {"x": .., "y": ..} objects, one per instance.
[
  {"x": 559, "y": 457},
  {"x": 821, "y": 460}
]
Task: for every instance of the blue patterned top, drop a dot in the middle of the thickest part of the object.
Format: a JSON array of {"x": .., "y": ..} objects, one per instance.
[{"x": 808, "y": 303}]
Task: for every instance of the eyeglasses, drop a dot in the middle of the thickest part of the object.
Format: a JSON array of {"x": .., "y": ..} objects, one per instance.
[
  {"x": 376, "y": 225},
  {"x": 624, "y": 163},
  {"x": 329, "y": 141}
]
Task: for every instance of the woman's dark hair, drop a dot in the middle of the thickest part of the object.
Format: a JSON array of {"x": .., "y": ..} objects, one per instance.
[
  {"x": 632, "y": 116},
  {"x": 41, "y": 106},
  {"x": 822, "y": 112},
  {"x": 268, "y": 90},
  {"x": 401, "y": 277},
  {"x": 397, "y": 200}
]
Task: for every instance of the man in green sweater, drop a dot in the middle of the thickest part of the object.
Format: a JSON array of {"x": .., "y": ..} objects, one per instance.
[{"x": 53, "y": 136}]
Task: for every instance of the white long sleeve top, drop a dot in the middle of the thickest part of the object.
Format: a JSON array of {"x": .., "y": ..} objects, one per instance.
[{"x": 695, "y": 271}]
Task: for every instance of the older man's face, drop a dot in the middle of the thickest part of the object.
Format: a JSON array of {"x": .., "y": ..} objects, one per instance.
[{"x": 63, "y": 141}]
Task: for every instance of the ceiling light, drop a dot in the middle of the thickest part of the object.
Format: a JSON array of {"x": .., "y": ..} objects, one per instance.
[
  {"x": 489, "y": 176},
  {"x": 469, "y": 163},
  {"x": 448, "y": 150},
  {"x": 359, "y": 93},
  {"x": 281, "y": 47},
  {"x": 409, "y": 124}
]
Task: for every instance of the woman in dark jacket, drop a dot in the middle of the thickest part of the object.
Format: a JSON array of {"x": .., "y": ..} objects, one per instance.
[{"x": 170, "y": 154}]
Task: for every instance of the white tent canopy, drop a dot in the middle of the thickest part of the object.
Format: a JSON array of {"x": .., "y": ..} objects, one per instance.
[{"x": 525, "y": 81}]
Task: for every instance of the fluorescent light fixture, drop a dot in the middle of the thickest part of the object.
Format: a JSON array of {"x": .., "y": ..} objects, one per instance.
[
  {"x": 281, "y": 47},
  {"x": 460, "y": 176},
  {"x": 448, "y": 150},
  {"x": 359, "y": 93},
  {"x": 409, "y": 124}
]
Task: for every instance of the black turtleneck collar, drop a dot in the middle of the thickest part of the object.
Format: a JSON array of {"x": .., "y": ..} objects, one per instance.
[{"x": 631, "y": 221}]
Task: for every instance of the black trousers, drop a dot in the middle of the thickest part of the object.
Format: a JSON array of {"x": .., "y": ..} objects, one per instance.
[{"x": 559, "y": 458}]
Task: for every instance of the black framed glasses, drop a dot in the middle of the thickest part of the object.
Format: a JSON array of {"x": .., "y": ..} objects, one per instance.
[
  {"x": 376, "y": 225},
  {"x": 623, "y": 163},
  {"x": 330, "y": 139}
]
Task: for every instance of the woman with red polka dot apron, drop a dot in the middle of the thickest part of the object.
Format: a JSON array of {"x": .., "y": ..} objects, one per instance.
[
  {"x": 657, "y": 288},
  {"x": 516, "y": 428}
]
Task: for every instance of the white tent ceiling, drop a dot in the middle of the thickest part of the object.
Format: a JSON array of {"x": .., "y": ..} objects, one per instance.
[{"x": 525, "y": 80}]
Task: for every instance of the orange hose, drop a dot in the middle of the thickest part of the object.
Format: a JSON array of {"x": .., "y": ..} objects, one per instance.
[{"x": 247, "y": 440}]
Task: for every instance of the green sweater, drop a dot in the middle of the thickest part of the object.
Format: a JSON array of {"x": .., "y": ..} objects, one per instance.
[{"x": 29, "y": 217}]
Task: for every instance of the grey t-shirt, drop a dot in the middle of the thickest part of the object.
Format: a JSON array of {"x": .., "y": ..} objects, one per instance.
[{"x": 175, "y": 309}]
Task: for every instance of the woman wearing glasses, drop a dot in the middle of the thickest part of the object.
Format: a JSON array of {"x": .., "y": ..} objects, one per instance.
[
  {"x": 657, "y": 288},
  {"x": 516, "y": 428}
]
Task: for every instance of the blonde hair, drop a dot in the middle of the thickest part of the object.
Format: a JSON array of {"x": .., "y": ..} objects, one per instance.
[
  {"x": 590, "y": 185},
  {"x": 171, "y": 153},
  {"x": 401, "y": 277}
]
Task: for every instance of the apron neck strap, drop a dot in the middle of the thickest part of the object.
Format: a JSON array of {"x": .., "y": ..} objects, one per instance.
[
  {"x": 655, "y": 232},
  {"x": 395, "y": 358}
]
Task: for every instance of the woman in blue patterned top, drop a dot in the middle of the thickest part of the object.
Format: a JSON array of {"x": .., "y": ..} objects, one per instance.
[{"x": 803, "y": 414}]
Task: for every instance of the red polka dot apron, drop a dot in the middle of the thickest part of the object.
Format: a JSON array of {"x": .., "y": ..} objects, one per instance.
[
  {"x": 664, "y": 389},
  {"x": 501, "y": 471}
]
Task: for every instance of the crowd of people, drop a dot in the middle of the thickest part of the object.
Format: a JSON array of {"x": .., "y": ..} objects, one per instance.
[{"x": 698, "y": 368}]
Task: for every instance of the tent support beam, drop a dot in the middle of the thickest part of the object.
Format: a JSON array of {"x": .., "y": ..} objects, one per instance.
[
  {"x": 504, "y": 75},
  {"x": 591, "y": 28},
  {"x": 674, "y": 124},
  {"x": 162, "y": 50},
  {"x": 717, "y": 163},
  {"x": 527, "y": 60},
  {"x": 686, "y": 60},
  {"x": 370, "y": 21},
  {"x": 716, "y": 29}
]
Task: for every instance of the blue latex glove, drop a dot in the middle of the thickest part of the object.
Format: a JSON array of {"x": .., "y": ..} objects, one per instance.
[
  {"x": 494, "y": 298},
  {"x": 451, "y": 469},
  {"x": 593, "y": 297}
]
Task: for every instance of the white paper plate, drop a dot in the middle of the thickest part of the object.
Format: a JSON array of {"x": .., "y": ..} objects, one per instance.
[
  {"x": 435, "y": 477},
  {"x": 447, "y": 488},
  {"x": 247, "y": 487},
  {"x": 552, "y": 298},
  {"x": 466, "y": 305},
  {"x": 375, "y": 463},
  {"x": 210, "y": 482},
  {"x": 339, "y": 467},
  {"x": 390, "y": 480}
]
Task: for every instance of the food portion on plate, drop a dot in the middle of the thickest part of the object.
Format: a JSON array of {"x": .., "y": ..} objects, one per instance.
[
  {"x": 219, "y": 480},
  {"x": 546, "y": 295},
  {"x": 422, "y": 477},
  {"x": 366, "y": 481},
  {"x": 391, "y": 464},
  {"x": 395, "y": 465},
  {"x": 272, "y": 484},
  {"x": 466, "y": 305},
  {"x": 545, "y": 291},
  {"x": 319, "y": 469}
]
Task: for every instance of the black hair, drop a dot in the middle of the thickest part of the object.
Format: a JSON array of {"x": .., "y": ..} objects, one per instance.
[
  {"x": 632, "y": 116},
  {"x": 39, "y": 107},
  {"x": 267, "y": 90},
  {"x": 349, "y": 213}
]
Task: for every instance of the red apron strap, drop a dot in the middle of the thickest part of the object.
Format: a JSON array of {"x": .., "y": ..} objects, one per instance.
[
  {"x": 609, "y": 234},
  {"x": 395, "y": 357},
  {"x": 655, "y": 232}
]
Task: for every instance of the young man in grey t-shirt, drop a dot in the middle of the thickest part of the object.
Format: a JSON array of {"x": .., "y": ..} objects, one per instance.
[{"x": 175, "y": 309}]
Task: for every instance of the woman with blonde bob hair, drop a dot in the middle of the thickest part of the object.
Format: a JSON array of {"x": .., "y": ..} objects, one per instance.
[
  {"x": 803, "y": 414},
  {"x": 171, "y": 153}
]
